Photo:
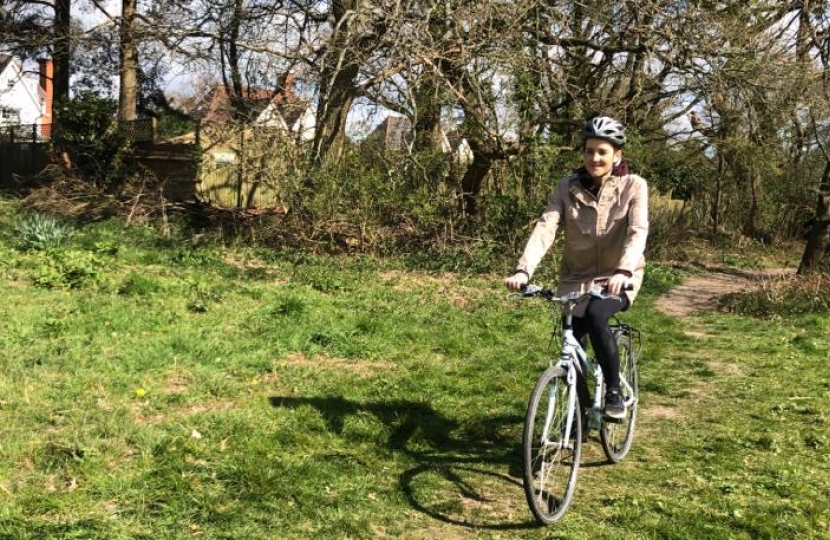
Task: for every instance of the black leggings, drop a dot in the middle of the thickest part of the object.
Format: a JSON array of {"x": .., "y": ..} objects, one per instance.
[{"x": 595, "y": 324}]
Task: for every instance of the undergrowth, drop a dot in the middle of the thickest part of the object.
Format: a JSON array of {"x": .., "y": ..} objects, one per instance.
[{"x": 783, "y": 297}]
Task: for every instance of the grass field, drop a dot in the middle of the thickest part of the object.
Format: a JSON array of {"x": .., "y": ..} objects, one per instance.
[{"x": 153, "y": 388}]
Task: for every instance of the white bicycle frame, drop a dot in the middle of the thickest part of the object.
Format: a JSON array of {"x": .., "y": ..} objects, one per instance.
[{"x": 573, "y": 359}]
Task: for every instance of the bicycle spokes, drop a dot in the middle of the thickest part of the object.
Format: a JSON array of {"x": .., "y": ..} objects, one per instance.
[
  {"x": 617, "y": 437},
  {"x": 552, "y": 442}
]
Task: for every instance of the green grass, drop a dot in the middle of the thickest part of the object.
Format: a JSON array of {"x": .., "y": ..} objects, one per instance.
[{"x": 169, "y": 390}]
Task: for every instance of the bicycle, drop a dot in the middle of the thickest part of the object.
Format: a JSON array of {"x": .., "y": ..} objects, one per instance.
[{"x": 552, "y": 441}]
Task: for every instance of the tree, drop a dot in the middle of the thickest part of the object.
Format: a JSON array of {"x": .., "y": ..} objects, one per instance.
[
  {"x": 128, "y": 72},
  {"x": 356, "y": 27},
  {"x": 814, "y": 35},
  {"x": 61, "y": 52}
]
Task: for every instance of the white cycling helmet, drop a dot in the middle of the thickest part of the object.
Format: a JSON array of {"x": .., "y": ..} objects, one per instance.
[{"x": 606, "y": 128}]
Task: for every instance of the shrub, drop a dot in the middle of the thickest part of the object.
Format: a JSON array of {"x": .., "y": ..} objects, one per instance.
[
  {"x": 798, "y": 295},
  {"x": 173, "y": 123},
  {"x": 89, "y": 133},
  {"x": 136, "y": 284},
  {"x": 659, "y": 279},
  {"x": 41, "y": 232},
  {"x": 202, "y": 295},
  {"x": 68, "y": 269},
  {"x": 669, "y": 223}
]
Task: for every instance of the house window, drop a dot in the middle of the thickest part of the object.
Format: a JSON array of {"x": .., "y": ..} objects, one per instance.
[{"x": 9, "y": 116}]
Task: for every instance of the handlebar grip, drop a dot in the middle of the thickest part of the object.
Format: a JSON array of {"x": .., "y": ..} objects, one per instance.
[
  {"x": 529, "y": 289},
  {"x": 627, "y": 287}
]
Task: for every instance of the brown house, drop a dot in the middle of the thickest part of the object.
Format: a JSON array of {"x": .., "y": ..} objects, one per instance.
[{"x": 279, "y": 108}]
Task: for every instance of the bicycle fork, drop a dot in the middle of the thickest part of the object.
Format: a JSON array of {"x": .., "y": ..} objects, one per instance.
[{"x": 565, "y": 442}]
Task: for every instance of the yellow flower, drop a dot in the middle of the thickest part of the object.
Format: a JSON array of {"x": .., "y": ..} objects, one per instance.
[{"x": 139, "y": 392}]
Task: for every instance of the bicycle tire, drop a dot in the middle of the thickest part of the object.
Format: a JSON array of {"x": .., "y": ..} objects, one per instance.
[
  {"x": 550, "y": 474},
  {"x": 617, "y": 437}
]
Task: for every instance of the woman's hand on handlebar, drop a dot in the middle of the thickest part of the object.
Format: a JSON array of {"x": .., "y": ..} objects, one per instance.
[
  {"x": 516, "y": 281},
  {"x": 616, "y": 284}
]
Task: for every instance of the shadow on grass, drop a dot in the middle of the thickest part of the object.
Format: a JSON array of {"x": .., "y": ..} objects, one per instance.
[{"x": 447, "y": 452}]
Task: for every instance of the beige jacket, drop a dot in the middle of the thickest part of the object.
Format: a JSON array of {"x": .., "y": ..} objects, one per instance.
[{"x": 602, "y": 234}]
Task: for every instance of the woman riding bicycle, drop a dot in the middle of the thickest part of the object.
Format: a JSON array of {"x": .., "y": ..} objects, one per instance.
[{"x": 604, "y": 210}]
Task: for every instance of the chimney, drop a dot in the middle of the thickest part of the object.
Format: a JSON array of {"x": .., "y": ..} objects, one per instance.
[
  {"x": 46, "y": 84},
  {"x": 287, "y": 85}
]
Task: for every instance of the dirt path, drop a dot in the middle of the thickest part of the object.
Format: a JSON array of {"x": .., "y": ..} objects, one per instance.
[{"x": 701, "y": 292}]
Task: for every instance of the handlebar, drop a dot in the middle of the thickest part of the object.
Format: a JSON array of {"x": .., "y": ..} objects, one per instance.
[{"x": 531, "y": 290}]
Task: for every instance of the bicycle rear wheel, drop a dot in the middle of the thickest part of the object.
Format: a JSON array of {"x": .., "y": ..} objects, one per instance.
[
  {"x": 550, "y": 462},
  {"x": 617, "y": 437}
]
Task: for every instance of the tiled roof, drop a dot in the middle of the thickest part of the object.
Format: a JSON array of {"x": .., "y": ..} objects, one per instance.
[{"x": 216, "y": 107}]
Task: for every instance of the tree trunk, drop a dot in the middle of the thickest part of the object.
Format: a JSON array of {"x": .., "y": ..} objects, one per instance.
[
  {"x": 819, "y": 240},
  {"x": 240, "y": 169},
  {"x": 128, "y": 95},
  {"x": 428, "y": 96},
  {"x": 473, "y": 180},
  {"x": 803, "y": 34},
  {"x": 427, "y": 126},
  {"x": 333, "y": 108},
  {"x": 233, "y": 51},
  {"x": 716, "y": 196},
  {"x": 61, "y": 53},
  {"x": 337, "y": 84},
  {"x": 751, "y": 227}
]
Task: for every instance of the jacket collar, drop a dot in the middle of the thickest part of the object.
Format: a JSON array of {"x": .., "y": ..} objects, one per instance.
[{"x": 582, "y": 195}]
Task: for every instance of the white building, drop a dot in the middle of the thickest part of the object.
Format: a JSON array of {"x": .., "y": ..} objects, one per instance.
[
  {"x": 24, "y": 98},
  {"x": 296, "y": 118}
]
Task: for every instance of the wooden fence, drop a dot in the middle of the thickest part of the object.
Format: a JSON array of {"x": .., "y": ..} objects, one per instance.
[
  {"x": 174, "y": 165},
  {"x": 20, "y": 161},
  {"x": 226, "y": 177},
  {"x": 243, "y": 169},
  {"x": 142, "y": 130},
  {"x": 26, "y": 133},
  {"x": 227, "y": 186}
]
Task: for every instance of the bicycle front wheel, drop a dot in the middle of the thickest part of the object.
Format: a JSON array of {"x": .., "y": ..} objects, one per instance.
[
  {"x": 617, "y": 437},
  {"x": 550, "y": 456}
]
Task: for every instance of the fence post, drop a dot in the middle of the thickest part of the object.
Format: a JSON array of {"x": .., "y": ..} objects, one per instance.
[
  {"x": 153, "y": 123},
  {"x": 11, "y": 134},
  {"x": 34, "y": 133}
]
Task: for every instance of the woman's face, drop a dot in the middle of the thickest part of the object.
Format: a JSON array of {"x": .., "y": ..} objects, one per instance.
[{"x": 599, "y": 157}]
